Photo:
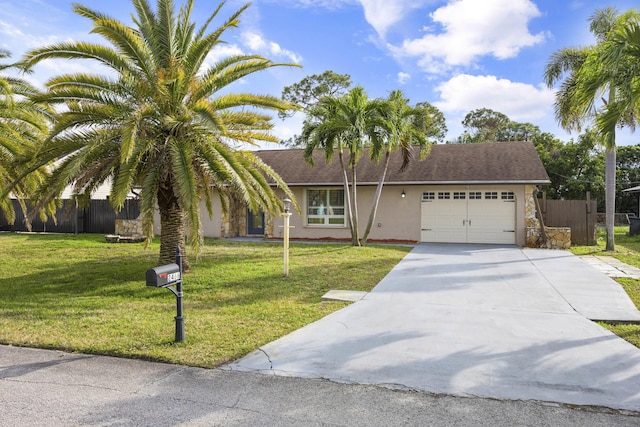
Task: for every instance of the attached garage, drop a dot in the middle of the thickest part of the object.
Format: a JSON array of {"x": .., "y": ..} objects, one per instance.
[{"x": 469, "y": 216}]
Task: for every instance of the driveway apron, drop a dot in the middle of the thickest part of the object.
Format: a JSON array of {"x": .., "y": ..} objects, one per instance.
[{"x": 474, "y": 320}]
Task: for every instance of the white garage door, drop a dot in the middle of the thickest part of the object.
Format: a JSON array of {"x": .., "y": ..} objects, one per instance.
[{"x": 486, "y": 216}]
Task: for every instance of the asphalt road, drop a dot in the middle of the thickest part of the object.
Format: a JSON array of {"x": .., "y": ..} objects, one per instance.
[{"x": 51, "y": 388}]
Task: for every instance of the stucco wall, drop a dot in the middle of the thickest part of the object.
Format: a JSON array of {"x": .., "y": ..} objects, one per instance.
[
  {"x": 398, "y": 218},
  {"x": 211, "y": 227}
]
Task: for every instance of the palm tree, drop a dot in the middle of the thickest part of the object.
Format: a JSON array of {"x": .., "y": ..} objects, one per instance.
[
  {"x": 159, "y": 122},
  {"x": 343, "y": 124},
  {"x": 622, "y": 52},
  {"x": 401, "y": 127},
  {"x": 586, "y": 77},
  {"x": 23, "y": 125}
]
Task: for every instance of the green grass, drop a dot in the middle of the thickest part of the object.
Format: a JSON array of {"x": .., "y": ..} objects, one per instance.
[
  {"x": 628, "y": 251},
  {"x": 79, "y": 293}
]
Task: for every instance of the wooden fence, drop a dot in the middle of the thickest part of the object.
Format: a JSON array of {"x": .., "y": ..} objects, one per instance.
[
  {"x": 99, "y": 217},
  {"x": 580, "y": 215}
]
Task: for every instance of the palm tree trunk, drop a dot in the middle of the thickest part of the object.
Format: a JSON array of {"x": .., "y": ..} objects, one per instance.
[
  {"x": 610, "y": 180},
  {"x": 347, "y": 195},
  {"x": 376, "y": 199},
  {"x": 171, "y": 227},
  {"x": 354, "y": 199},
  {"x": 610, "y": 194}
]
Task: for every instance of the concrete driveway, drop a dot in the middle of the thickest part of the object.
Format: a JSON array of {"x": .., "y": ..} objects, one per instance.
[{"x": 474, "y": 320}]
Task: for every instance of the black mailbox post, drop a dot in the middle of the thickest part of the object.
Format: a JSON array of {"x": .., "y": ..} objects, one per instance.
[{"x": 165, "y": 276}]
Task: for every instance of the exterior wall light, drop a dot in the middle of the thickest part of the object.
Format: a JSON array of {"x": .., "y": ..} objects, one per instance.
[{"x": 403, "y": 194}]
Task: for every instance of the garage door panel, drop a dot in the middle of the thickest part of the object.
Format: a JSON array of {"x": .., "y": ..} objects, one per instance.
[
  {"x": 478, "y": 217},
  {"x": 444, "y": 221}
]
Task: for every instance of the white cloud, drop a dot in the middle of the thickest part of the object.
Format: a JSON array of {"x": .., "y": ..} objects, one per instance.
[
  {"x": 403, "y": 77},
  {"x": 220, "y": 52},
  {"x": 258, "y": 44},
  {"x": 9, "y": 30},
  {"x": 382, "y": 14},
  {"x": 472, "y": 29},
  {"x": 326, "y": 4},
  {"x": 519, "y": 101}
]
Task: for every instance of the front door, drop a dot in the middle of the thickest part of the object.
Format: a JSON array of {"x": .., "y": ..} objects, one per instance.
[{"x": 255, "y": 222}]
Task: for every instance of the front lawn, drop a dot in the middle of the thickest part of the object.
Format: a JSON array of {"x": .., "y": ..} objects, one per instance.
[
  {"x": 82, "y": 294},
  {"x": 78, "y": 293},
  {"x": 628, "y": 251}
]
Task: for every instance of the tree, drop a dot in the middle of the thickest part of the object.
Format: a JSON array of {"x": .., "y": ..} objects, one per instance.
[
  {"x": 160, "y": 121},
  {"x": 628, "y": 175},
  {"x": 486, "y": 125},
  {"x": 401, "y": 128},
  {"x": 309, "y": 91},
  {"x": 431, "y": 121},
  {"x": 23, "y": 125},
  {"x": 585, "y": 77},
  {"x": 623, "y": 53},
  {"x": 515, "y": 131},
  {"x": 574, "y": 167},
  {"x": 352, "y": 122},
  {"x": 342, "y": 124},
  {"x": 620, "y": 56},
  {"x": 483, "y": 125}
]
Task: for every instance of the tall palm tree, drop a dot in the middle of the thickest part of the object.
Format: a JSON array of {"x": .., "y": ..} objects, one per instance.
[
  {"x": 23, "y": 125},
  {"x": 622, "y": 53},
  {"x": 401, "y": 127},
  {"x": 343, "y": 124},
  {"x": 160, "y": 121},
  {"x": 586, "y": 78}
]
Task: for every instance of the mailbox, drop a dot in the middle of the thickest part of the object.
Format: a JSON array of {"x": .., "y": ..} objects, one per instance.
[{"x": 163, "y": 276}]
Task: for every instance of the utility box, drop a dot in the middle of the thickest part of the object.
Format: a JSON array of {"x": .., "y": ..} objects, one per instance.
[
  {"x": 164, "y": 275},
  {"x": 634, "y": 226}
]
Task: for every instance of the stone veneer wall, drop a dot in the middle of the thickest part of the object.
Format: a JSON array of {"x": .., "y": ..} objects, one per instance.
[
  {"x": 557, "y": 237},
  {"x": 234, "y": 222},
  {"x": 129, "y": 227}
]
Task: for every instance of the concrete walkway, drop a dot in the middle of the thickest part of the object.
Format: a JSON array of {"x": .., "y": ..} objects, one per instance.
[
  {"x": 473, "y": 320},
  {"x": 612, "y": 267}
]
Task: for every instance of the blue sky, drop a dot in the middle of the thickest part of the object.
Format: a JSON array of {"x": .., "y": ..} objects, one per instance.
[{"x": 459, "y": 55}]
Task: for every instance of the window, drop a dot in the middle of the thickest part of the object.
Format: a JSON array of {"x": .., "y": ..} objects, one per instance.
[
  {"x": 491, "y": 195},
  {"x": 429, "y": 195},
  {"x": 459, "y": 195},
  {"x": 475, "y": 195},
  {"x": 444, "y": 195},
  {"x": 507, "y": 195},
  {"x": 325, "y": 207}
]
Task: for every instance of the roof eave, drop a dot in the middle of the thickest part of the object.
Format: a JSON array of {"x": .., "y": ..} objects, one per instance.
[{"x": 493, "y": 182}]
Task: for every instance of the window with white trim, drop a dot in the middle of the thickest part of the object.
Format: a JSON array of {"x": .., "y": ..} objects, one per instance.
[
  {"x": 444, "y": 195},
  {"x": 475, "y": 195},
  {"x": 428, "y": 195},
  {"x": 325, "y": 207}
]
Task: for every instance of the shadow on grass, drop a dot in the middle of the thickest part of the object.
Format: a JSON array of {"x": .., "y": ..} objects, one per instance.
[{"x": 227, "y": 273}]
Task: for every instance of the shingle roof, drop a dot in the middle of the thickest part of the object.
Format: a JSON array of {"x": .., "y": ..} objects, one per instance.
[{"x": 498, "y": 162}]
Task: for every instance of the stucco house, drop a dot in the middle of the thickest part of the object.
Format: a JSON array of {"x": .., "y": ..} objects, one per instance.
[{"x": 460, "y": 193}]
